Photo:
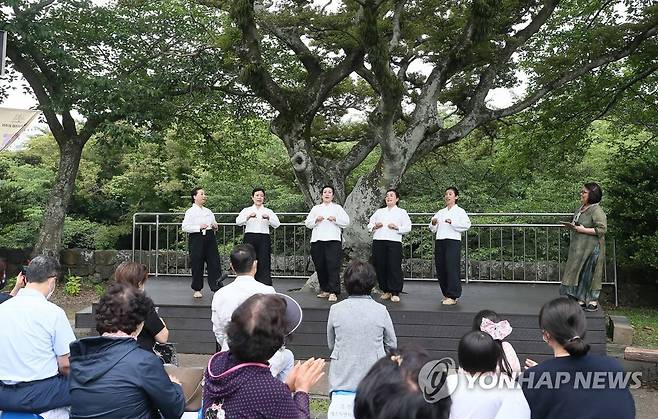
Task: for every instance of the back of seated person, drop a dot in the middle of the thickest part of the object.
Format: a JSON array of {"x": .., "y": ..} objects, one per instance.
[
  {"x": 34, "y": 343},
  {"x": 391, "y": 389},
  {"x": 480, "y": 391},
  {"x": 238, "y": 382},
  {"x": 154, "y": 329},
  {"x": 111, "y": 377},
  {"x": 227, "y": 299}
]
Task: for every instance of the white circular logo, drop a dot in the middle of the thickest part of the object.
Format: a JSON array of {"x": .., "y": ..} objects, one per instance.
[{"x": 432, "y": 379}]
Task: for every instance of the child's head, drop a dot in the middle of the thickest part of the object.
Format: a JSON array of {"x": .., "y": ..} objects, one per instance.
[
  {"x": 484, "y": 314},
  {"x": 478, "y": 352},
  {"x": 391, "y": 389}
]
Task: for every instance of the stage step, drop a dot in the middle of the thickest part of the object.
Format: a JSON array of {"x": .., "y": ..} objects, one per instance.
[{"x": 419, "y": 319}]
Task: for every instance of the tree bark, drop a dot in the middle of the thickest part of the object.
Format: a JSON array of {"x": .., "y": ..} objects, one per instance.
[{"x": 49, "y": 240}]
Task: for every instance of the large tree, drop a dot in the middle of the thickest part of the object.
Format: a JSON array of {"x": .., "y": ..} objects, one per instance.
[
  {"x": 102, "y": 64},
  {"x": 422, "y": 72}
]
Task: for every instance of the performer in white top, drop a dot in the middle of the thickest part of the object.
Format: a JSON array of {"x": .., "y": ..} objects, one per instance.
[
  {"x": 200, "y": 223},
  {"x": 257, "y": 220},
  {"x": 389, "y": 224},
  {"x": 448, "y": 224},
  {"x": 327, "y": 221}
]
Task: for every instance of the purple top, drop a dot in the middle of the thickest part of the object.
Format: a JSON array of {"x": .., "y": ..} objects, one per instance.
[{"x": 250, "y": 391}]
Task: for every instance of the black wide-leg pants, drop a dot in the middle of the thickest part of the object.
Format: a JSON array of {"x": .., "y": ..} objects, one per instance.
[
  {"x": 447, "y": 259},
  {"x": 327, "y": 257},
  {"x": 263, "y": 245},
  {"x": 203, "y": 250},
  {"x": 387, "y": 259}
]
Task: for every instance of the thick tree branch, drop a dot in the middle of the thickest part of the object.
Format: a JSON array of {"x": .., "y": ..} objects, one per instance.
[
  {"x": 357, "y": 154},
  {"x": 255, "y": 72},
  {"x": 397, "y": 12},
  {"x": 310, "y": 61}
]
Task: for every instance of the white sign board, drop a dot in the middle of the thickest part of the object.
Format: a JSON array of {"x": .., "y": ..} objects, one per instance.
[{"x": 13, "y": 122}]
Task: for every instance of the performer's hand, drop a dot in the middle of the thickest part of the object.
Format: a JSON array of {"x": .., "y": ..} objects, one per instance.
[
  {"x": 434, "y": 221},
  {"x": 448, "y": 221},
  {"x": 204, "y": 226},
  {"x": 265, "y": 217},
  {"x": 393, "y": 226},
  {"x": 252, "y": 215},
  {"x": 378, "y": 225},
  {"x": 319, "y": 219},
  {"x": 215, "y": 226},
  {"x": 331, "y": 218}
]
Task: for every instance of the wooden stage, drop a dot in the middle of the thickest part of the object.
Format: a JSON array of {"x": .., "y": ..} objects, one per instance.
[{"x": 419, "y": 318}]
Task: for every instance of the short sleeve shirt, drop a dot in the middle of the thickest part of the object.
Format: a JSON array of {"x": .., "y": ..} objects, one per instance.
[
  {"x": 34, "y": 333},
  {"x": 152, "y": 326}
]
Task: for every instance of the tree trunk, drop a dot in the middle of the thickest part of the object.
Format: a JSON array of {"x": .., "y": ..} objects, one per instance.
[{"x": 49, "y": 240}]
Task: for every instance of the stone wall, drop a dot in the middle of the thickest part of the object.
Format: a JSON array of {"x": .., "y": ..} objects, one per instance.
[
  {"x": 100, "y": 265},
  {"x": 95, "y": 264}
]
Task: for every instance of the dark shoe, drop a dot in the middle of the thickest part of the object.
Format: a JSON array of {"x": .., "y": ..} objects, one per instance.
[
  {"x": 591, "y": 307},
  {"x": 221, "y": 279}
]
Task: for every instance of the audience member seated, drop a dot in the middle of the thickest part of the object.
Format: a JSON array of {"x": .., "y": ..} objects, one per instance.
[
  {"x": 359, "y": 329},
  {"x": 589, "y": 385},
  {"x": 111, "y": 377},
  {"x": 488, "y": 321},
  {"x": 238, "y": 383},
  {"x": 34, "y": 343},
  {"x": 391, "y": 390},
  {"x": 154, "y": 329},
  {"x": 229, "y": 297},
  {"x": 20, "y": 283},
  {"x": 479, "y": 391}
]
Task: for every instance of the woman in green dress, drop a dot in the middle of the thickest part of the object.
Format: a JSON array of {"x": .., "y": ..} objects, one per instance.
[{"x": 586, "y": 262}]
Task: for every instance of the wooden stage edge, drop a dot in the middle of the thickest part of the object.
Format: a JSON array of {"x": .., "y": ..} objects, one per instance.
[{"x": 419, "y": 319}]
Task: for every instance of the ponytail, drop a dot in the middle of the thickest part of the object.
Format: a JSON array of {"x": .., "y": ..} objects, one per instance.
[
  {"x": 564, "y": 320},
  {"x": 576, "y": 346}
]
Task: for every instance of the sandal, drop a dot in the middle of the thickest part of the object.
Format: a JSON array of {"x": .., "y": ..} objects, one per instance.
[{"x": 591, "y": 307}]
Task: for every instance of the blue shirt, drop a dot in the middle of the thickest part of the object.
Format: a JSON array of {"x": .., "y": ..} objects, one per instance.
[
  {"x": 587, "y": 387},
  {"x": 34, "y": 333}
]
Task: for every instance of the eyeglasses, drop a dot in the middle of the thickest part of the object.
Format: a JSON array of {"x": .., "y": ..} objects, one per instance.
[{"x": 584, "y": 192}]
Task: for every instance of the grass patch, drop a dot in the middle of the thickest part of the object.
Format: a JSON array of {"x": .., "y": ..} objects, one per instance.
[
  {"x": 319, "y": 405},
  {"x": 645, "y": 323}
]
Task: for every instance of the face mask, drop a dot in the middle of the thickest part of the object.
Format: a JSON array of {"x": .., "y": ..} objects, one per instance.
[{"x": 50, "y": 293}]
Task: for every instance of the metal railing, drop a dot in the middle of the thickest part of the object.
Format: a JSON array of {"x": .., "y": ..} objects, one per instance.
[{"x": 499, "y": 247}]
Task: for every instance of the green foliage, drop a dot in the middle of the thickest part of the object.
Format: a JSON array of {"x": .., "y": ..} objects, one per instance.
[
  {"x": 11, "y": 283},
  {"x": 73, "y": 285},
  {"x": 633, "y": 203},
  {"x": 99, "y": 289}
]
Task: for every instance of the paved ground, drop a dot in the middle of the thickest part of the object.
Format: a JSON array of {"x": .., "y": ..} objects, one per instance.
[{"x": 646, "y": 398}]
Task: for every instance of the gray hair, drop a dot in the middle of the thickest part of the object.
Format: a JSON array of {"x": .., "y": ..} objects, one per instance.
[{"x": 41, "y": 268}]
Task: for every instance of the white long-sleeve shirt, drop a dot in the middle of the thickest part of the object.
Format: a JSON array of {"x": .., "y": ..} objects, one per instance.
[
  {"x": 257, "y": 224},
  {"x": 327, "y": 230},
  {"x": 459, "y": 223},
  {"x": 195, "y": 216},
  {"x": 386, "y": 216}
]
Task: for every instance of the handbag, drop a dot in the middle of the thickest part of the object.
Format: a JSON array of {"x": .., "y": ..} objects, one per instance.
[
  {"x": 166, "y": 352},
  {"x": 191, "y": 380}
]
